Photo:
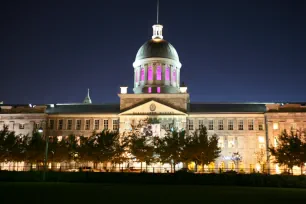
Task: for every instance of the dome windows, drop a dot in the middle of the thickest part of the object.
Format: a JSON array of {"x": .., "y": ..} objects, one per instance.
[
  {"x": 174, "y": 76},
  {"x": 167, "y": 74},
  {"x": 142, "y": 74},
  {"x": 158, "y": 73},
  {"x": 150, "y": 74}
]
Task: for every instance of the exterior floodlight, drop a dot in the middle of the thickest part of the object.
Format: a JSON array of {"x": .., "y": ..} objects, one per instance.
[{"x": 40, "y": 130}]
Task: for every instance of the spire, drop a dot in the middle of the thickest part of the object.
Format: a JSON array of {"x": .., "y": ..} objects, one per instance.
[
  {"x": 157, "y": 28},
  {"x": 157, "y": 11},
  {"x": 87, "y": 99}
]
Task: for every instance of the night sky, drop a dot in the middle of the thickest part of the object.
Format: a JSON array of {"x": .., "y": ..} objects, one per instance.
[{"x": 51, "y": 51}]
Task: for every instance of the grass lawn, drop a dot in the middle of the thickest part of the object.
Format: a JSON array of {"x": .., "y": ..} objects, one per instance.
[{"x": 85, "y": 193}]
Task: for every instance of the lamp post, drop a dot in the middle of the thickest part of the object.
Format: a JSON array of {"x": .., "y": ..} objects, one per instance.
[{"x": 40, "y": 130}]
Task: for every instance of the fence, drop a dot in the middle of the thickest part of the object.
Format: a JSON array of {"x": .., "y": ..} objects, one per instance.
[{"x": 81, "y": 168}]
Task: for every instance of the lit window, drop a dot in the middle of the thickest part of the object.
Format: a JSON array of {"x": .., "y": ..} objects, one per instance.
[
  {"x": 275, "y": 126},
  {"x": 190, "y": 125},
  {"x": 87, "y": 124},
  {"x": 51, "y": 126},
  {"x": 158, "y": 73},
  {"x": 78, "y": 125},
  {"x": 210, "y": 124},
  {"x": 221, "y": 142},
  {"x": 115, "y": 124},
  {"x": 105, "y": 122},
  {"x": 149, "y": 89},
  {"x": 201, "y": 124},
  {"x": 230, "y": 125},
  {"x": 69, "y": 124},
  {"x": 37, "y": 125},
  {"x": 261, "y": 139},
  {"x": 174, "y": 76},
  {"x": 150, "y": 73},
  {"x": 275, "y": 142},
  {"x": 260, "y": 125},
  {"x": 142, "y": 72},
  {"x": 167, "y": 74},
  {"x": 293, "y": 126},
  {"x": 158, "y": 89},
  {"x": 21, "y": 126},
  {"x": 220, "y": 124},
  {"x": 97, "y": 124},
  {"x": 240, "y": 125},
  {"x": 231, "y": 142},
  {"x": 250, "y": 124},
  {"x": 240, "y": 142}
]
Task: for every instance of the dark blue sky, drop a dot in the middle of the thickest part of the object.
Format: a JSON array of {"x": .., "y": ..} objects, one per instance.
[{"x": 232, "y": 51}]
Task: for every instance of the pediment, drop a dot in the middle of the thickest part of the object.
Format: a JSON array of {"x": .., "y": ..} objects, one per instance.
[{"x": 152, "y": 108}]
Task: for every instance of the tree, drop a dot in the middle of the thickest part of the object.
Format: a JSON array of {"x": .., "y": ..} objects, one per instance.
[
  {"x": 170, "y": 148},
  {"x": 236, "y": 158},
  {"x": 261, "y": 158},
  {"x": 35, "y": 149},
  {"x": 142, "y": 149},
  {"x": 202, "y": 149},
  {"x": 291, "y": 149}
]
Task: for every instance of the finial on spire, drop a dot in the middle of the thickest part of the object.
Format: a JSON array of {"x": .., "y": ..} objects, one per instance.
[
  {"x": 157, "y": 28},
  {"x": 87, "y": 99}
]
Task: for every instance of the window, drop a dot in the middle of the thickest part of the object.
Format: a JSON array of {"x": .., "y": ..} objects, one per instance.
[
  {"x": 87, "y": 124},
  {"x": 150, "y": 73},
  {"x": 240, "y": 142},
  {"x": 260, "y": 125},
  {"x": 250, "y": 124},
  {"x": 37, "y": 125},
  {"x": 142, "y": 72},
  {"x": 158, "y": 89},
  {"x": 261, "y": 141},
  {"x": 220, "y": 124},
  {"x": 69, "y": 124},
  {"x": 230, "y": 125},
  {"x": 210, "y": 124},
  {"x": 60, "y": 124},
  {"x": 240, "y": 124},
  {"x": 167, "y": 74},
  {"x": 221, "y": 142},
  {"x": 115, "y": 124},
  {"x": 78, "y": 124},
  {"x": 105, "y": 122},
  {"x": 149, "y": 89},
  {"x": 231, "y": 142},
  {"x": 275, "y": 126},
  {"x": 201, "y": 124},
  {"x": 51, "y": 126},
  {"x": 158, "y": 73},
  {"x": 97, "y": 124},
  {"x": 190, "y": 125},
  {"x": 21, "y": 126},
  {"x": 174, "y": 76},
  {"x": 293, "y": 126}
]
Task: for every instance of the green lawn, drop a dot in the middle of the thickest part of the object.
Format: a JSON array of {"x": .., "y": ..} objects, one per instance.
[{"x": 74, "y": 193}]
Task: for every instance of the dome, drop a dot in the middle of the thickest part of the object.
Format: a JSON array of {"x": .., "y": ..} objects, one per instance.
[{"x": 157, "y": 48}]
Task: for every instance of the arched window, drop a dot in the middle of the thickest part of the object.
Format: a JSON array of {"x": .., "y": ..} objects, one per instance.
[
  {"x": 149, "y": 89},
  {"x": 174, "y": 76},
  {"x": 142, "y": 74},
  {"x": 158, "y": 73},
  {"x": 167, "y": 74},
  {"x": 150, "y": 73},
  {"x": 158, "y": 89}
]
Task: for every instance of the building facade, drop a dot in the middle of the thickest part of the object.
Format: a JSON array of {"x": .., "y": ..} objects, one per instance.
[{"x": 158, "y": 94}]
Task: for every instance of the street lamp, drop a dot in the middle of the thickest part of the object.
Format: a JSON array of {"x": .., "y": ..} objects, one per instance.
[{"x": 41, "y": 130}]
